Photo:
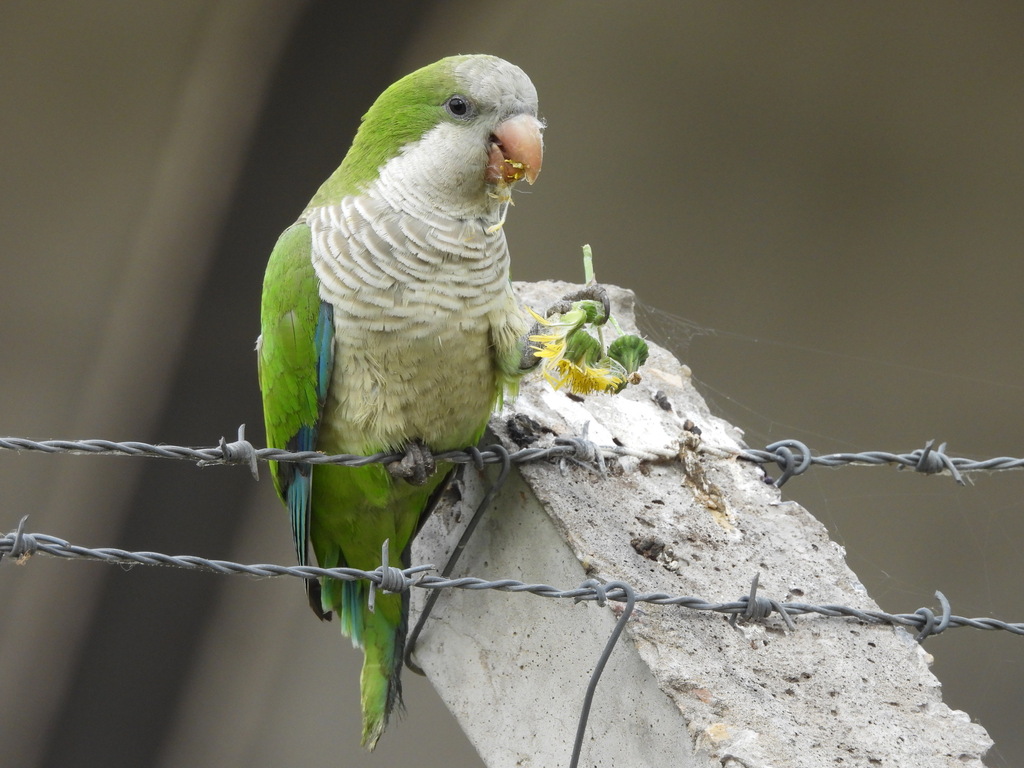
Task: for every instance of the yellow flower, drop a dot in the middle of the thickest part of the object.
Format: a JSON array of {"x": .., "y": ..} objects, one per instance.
[
  {"x": 552, "y": 345},
  {"x": 581, "y": 379},
  {"x": 580, "y": 372}
]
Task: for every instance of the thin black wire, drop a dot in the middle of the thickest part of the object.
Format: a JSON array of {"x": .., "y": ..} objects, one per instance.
[
  {"x": 600, "y": 589},
  {"x": 609, "y": 646},
  {"x": 453, "y": 558}
]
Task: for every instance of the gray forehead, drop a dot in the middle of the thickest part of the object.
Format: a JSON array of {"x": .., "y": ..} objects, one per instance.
[{"x": 494, "y": 81}]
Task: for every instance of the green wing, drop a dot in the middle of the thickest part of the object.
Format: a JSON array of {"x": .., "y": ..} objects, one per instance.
[{"x": 296, "y": 355}]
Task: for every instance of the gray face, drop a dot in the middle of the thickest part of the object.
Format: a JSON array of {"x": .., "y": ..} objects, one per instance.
[{"x": 498, "y": 87}]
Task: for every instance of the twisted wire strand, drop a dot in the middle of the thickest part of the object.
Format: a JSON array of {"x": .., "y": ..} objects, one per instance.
[
  {"x": 791, "y": 456},
  {"x": 19, "y": 545}
]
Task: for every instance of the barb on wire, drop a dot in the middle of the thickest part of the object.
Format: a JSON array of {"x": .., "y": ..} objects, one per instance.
[
  {"x": 391, "y": 579},
  {"x": 241, "y": 451},
  {"x": 930, "y": 627},
  {"x": 19, "y": 547},
  {"x": 793, "y": 457},
  {"x": 759, "y": 608},
  {"x": 25, "y": 544}
]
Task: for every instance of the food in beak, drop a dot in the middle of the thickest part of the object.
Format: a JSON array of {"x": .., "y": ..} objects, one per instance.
[{"x": 516, "y": 151}]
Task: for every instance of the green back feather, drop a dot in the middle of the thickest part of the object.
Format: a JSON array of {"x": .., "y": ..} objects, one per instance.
[{"x": 288, "y": 359}]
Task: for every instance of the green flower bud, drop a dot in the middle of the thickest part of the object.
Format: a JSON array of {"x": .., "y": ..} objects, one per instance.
[
  {"x": 582, "y": 348},
  {"x": 630, "y": 351},
  {"x": 594, "y": 311}
]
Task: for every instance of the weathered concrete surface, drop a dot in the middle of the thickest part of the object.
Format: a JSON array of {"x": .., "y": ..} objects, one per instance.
[{"x": 682, "y": 688}]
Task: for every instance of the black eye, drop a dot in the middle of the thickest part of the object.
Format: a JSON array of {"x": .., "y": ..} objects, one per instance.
[{"x": 459, "y": 106}]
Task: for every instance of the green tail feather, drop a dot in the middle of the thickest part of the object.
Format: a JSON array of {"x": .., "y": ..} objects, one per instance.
[
  {"x": 351, "y": 534},
  {"x": 380, "y": 683},
  {"x": 381, "y": 635}
]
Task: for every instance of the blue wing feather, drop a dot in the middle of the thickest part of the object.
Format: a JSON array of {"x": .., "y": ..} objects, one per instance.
[{"x": 299, "y": 494}]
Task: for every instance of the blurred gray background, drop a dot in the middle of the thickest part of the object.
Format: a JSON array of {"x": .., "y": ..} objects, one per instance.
[{"x": 830, "y": 194}]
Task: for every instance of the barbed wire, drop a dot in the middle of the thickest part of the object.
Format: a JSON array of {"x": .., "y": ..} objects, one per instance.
[
  {"x": 241, "y": 451},
  {"x": 20, "y": 546},
  {"x": 792, "y": 457}
]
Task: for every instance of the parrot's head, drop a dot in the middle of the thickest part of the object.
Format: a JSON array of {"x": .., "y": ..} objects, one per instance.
[{"x": 456, "y": 135}]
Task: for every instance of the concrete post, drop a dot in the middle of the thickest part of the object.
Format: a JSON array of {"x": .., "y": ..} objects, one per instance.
[{"x": 682, "y": 688}]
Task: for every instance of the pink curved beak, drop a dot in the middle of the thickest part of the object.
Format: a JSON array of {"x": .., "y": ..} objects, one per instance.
[{"x": 516, "y": 151}]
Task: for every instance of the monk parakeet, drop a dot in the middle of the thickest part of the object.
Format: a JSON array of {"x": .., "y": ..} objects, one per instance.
[{"x": 389, "y": 324}]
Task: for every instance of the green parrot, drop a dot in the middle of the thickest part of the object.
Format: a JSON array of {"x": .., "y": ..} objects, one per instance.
[{"x": 389, "y": 324}]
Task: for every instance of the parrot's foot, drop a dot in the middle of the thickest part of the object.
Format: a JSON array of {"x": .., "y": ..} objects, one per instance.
[
  {"x": 590, "y": 292},
  {"x": 418, "y": 465}
]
